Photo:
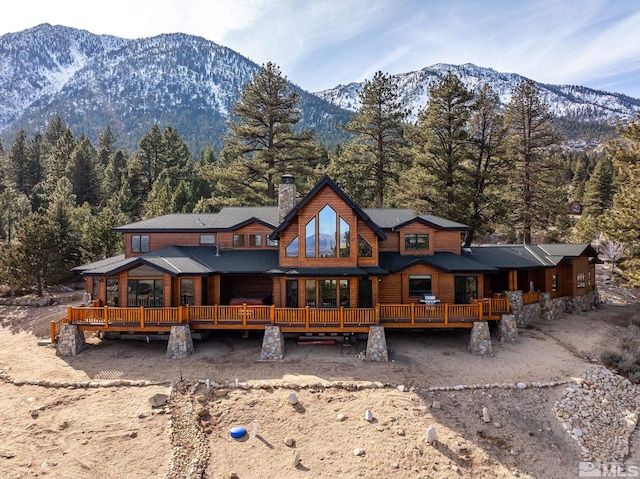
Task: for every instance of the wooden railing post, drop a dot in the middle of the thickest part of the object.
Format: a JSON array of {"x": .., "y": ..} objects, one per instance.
[
  {"x": 272, "y": 314},
  {"x": 69, "y": 314},
  {"x": 341, "y": 317},
  {"x": 141, "y": 316},
  {"x": 105, "y": 317},
  {"x": 413, "y": 314},
  {"x": 53, "y": 331},
  {"x": 244, "y": 314},
  {"x": 306, "y": 317},
  {"x": 490, "y": 312},
  {"x": 216, "y": 315},
  {"x": 180, "y": 315},
  {"x": 446, "y": 314}
]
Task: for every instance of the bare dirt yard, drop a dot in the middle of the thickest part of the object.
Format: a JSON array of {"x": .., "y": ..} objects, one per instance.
[{"x": 89, "y": 416}]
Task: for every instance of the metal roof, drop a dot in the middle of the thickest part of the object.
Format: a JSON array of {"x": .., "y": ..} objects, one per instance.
[{"x": 445, "y": 261}]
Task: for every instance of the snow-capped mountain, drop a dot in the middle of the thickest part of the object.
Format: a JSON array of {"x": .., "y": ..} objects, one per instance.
[
  {"x": 94, "y": 80},
  {"x": 191, "y": 83},
  {"x": 566, "y": 101}
]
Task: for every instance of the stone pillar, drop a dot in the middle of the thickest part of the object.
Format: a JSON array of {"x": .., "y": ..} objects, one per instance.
[
  {"x": 71, "y": 341},
  {"x": 272, "y": 344},
  {"x": 546, "y": 309},
  {"x": 180, "y": 342},
  {"x": 480, "y": 342},
  {"x": 517, "y": 309},
  {"x": 377, "y": 344},
  {"x": 508, "y": 329}
]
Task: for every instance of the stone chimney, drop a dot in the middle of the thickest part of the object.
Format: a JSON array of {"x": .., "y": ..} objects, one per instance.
[{"x": 286, "y": 196}]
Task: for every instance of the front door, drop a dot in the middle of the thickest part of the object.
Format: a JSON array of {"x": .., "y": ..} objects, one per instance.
[
  {"x": 466, "y": 289},
  {"x": 365, "y": 293}
]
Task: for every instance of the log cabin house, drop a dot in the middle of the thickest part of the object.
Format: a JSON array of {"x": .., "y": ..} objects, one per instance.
[{"x": 317, "y": 264}]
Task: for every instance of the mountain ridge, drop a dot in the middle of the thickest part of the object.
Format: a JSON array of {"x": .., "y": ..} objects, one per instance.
[{"x": 190, "y": 83}]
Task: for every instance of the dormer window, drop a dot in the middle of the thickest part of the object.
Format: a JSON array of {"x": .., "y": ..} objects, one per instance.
[
  {"x": 416, "y": 241},
  {"x": 139, "y": 243},
  {"x": 327, "y": 235}
]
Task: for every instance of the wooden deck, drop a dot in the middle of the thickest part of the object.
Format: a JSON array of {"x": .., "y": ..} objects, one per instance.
[{"x": 245, "y": 317}]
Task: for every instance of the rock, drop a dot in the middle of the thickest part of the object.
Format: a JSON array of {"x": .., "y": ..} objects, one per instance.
[
  {"x": 232, "y": 475},
  {"x": 358, "y": 451},
  {"x": 288, "y": 441},
  {"x": 133, "y": 434},
  {"x": 497, "y": 425},
  {"x": 34, "y": 413},
  {"x": 293, "y": 399},
  {"x": 521, "y": 386},
  {"x": 143, "y": 415},
  {"x": 436, "y": 405},
  {"x": 201, "y": 398},
  {"x": 432, "y": 435},
  {"x": 486, "y": 417},
  {"x": 341, "y": 417},
  {"x": 158, "y": 400},
  {"x": 368, "y": 415},
  {"x": 296, "y": 459},
  {"x": 401, "y": 388},
  {"x": 219, "y": 393}
]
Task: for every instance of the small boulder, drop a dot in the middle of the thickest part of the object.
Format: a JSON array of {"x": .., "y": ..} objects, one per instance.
[
  {"x": 358, "y": 451},
  {"x": 158, "y": 400},
  {"x": 486, "y": 417},
  {"x": 293, "y": 399},
  {"x": 296, "y": 459},
  {"x": 432, "y": 435},
  {"x": 368, "y": 415},
  {"x": 288, "y": 441}
]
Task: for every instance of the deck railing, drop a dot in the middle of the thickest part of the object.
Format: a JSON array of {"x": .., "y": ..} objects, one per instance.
[
  {"x": 242, "y": 316},
  {"x": 531, "y": 298}
]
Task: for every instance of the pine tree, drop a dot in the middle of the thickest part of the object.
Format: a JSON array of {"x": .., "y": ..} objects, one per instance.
[
  {"x": 598, "y": 194},
  {"x": 368, "y": 167},
  {"x": 99, "y": 240},
  {"x": 19, "y": 162},
  {"x": 531, "y": 137},
  {"x": 262, "y": 144},
  {"x": 439, "y": 182},
  {"x": 106, "y": 142},
  {"x": 489, "y": 165},
  {"x": 150, "y": 154},
  {"x": 85, "y": 174}
]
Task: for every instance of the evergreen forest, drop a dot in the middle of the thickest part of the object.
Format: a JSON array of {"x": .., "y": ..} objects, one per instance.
[{"x": 499, "y": 170}]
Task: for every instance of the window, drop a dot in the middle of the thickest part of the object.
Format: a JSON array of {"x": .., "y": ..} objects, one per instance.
[
  {"x": 271, "y": 242},
  {"x": 94, "y": 286},
  {"x": 255, "y": 240},
  {"x": 419, "y": 284},
  {"x": 186, "y": 291},
  {"x": 145, "y": 292},
  {"x": 238, "y": 241},
  {"x": 554, "y": 282},
  {"x": 345, "y": 239},
  {"x": 291, "y": 251},
  {"x": 207, "y": 239},
  {"x": 416, "y": 241},
  {"x": 580, "y": 279},
  {"x": 113, "y": 292},
  {"x": 364, "y": 248},
  {"x": 310, "y": 239},
  {"x": 139, "y": 243},
  {"x": 327, "y": 235},
  {"x": 327, "y": 293}
]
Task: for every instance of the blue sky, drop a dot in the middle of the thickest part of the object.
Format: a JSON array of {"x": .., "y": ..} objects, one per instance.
[{"x": 319, "y": 44}]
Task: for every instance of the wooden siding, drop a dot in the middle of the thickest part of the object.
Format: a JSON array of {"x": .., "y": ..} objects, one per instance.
[
  {"x": 372, "y": 238},
  {"x": 392, "y": 243},
  {"x": 225, "y": 238},
  {"x": 286, "y": 237}
]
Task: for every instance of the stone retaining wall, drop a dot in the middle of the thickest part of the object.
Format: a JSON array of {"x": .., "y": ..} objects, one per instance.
[
  {"x": 377, "y": 345},
  {"x": 71, "y": 341},
  {"x": 272, "y": 344}
]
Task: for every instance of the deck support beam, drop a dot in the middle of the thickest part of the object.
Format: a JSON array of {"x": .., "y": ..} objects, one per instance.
[
  {"x": 377, "y": 344},
  {"x": 517, "y": 309},
  {"x": 180, "y": 342},
  {"x": 71, "y": 341},
  {"x": 272, "y": 344}
]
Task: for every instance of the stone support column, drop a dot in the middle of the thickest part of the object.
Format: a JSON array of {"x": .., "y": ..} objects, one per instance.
[
  {"x": 515, "y": 301},
  {"x": 180, "y": 342},
  {"x": 508, "y": 329},
  {"x": 377, "y": 344},
  {"x": 71, "y": 341},
  {"x": 480, "y": 342},
  {"x": 546, "y": 309},
  {"x": 272, "y": 344}
]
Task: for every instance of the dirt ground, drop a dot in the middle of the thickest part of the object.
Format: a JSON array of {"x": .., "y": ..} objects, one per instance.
[{"x": 113, "y": 432}]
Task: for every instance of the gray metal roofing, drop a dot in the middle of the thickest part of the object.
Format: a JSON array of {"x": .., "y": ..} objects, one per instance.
[
  {"x": 444, "y": 261},
  {"x": 230, "y": 216},
  {"x": 174, "y": 221},
  {"x": 389, "y": 217},
  {"x": 331, "y": 271},
  {"x": 100, "y": 263},
  {"x": 521, "y": 256}
]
